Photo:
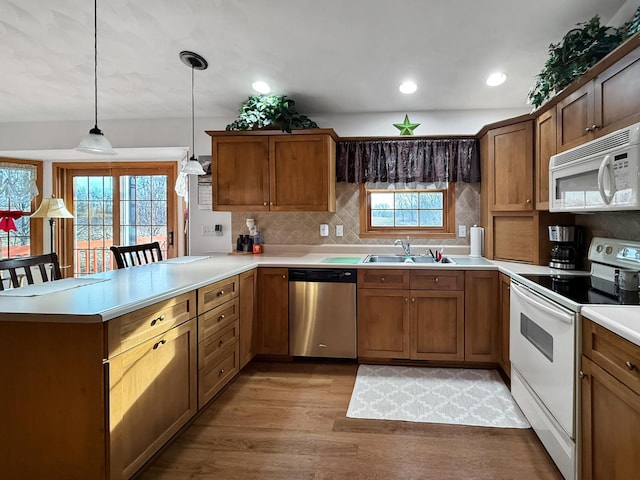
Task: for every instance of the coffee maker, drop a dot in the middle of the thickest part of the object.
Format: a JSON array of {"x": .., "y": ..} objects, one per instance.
[{"x": 567, "y": 242}]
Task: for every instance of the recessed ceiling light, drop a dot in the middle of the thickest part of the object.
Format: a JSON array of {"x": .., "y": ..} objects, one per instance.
[
  {"x": 407, "y": 87},
  {"x": 261, "y": 87},
  {"x": 495, "y": 79}
]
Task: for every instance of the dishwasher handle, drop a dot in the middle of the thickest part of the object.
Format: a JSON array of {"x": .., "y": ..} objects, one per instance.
[{"x": 330, "y": 275}]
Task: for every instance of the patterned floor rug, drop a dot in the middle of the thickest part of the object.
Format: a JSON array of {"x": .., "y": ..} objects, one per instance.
[{"x": 434, "y": 395}]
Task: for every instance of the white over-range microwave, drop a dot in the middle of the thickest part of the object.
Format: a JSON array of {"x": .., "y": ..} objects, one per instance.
[{"x": 601, "y": 175}]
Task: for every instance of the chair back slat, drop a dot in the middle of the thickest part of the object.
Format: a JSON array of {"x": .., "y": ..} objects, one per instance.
[
  {"x": 19, "y": 268},
  {"x": 132, "y": 255}
]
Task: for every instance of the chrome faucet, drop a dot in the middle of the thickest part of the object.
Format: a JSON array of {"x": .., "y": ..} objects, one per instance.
[{"x": 405, "y": 246}]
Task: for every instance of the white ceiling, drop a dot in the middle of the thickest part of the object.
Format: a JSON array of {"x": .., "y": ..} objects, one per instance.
[{"x": 331, "y": 56}]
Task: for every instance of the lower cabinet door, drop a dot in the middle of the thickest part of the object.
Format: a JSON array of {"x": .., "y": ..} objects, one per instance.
[
  {"x": 437, "y": 325},
  {"x": 152, "y": 394},
  {"x": 610, "y": 426},
  {"x": 383, "y": 323}
]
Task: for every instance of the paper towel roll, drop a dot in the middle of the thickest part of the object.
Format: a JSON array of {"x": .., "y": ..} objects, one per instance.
[{"x": 476, "y": 235}]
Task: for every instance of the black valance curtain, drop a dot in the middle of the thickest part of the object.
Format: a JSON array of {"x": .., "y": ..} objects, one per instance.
[{"x": 408, "y": 160}]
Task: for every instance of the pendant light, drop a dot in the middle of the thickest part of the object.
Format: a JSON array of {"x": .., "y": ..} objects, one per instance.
[
  {"x": 195, "y": 62},
  {"x": 95, "y": 141}
]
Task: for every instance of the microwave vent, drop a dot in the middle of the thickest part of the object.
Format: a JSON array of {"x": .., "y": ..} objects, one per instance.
[{"x": 595, "y": 147}]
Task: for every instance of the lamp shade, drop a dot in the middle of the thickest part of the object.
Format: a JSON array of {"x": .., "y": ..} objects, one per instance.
[
  {"x": 96, "y": 142},
  {"x": 52, "y": 208},
  {"x": 193, "y": 167}
]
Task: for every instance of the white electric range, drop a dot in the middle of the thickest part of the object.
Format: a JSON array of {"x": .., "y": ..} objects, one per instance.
[{"x": 544, "y": 317}]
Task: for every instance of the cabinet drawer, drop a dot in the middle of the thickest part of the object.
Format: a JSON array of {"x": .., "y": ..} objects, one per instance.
[
  {"x": 217, "y": 293},
  {"x": 378, "y": 278},
  {"x": 134, "y": 328},
  {"x": 216, "y": 375},
  {"x": 209, "y": 348},
  {"x": 613, "y": 353},
  {"x": 217, "y": 318},
  {"x": 437, "y": 280}
]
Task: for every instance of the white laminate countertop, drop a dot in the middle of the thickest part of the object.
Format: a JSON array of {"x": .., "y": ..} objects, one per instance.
[
  {"x": 126, "y": 290},
  {"x": 623, "y": 320}
]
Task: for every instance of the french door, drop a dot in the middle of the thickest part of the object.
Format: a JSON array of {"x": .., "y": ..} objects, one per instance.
[{"x": 116, "y": 204}]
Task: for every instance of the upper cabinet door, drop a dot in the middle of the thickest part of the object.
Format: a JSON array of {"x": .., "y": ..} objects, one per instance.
[
  {"x": 545, "y": 148},
  {"x": 575, "y": 120},
  {"x": 302, "y": 173},
  {"x": 240, "y": 173},
  {"x": 617, "y": 95},
  {"x": 510, "y": 151}
]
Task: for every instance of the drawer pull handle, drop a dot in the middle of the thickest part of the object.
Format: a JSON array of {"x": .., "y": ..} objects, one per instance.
[
  {"x": 160, "y": 343},
  {"x": 221, "y": 342},
  {"x": 156, "y": 320},
  {"x": 220, "y": 293},
  {"x": 630, "y": 365},
  {"x": 221, "y": 317},
  {"x": 221, "y": 372}
]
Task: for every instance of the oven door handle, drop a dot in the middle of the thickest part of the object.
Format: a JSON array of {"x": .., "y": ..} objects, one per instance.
[{"x": 524, "y": 295}]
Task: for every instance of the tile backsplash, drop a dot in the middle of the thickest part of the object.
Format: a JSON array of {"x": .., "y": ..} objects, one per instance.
[
  {"x": 303, "y": 228},
  {"x": 622, "y": 225}
]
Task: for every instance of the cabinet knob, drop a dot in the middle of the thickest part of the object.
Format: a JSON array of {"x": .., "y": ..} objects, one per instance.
[
  {"x": 265, "y": 204},
  {"x": 413, "y": 300},
  {"x": 382, "y": 279},
  {"x": 581, "y": 374},
  {"x": 406, "y": 299},
  {"x": 528, "y": 200},
  {"x": 630, "y": 365},
  {"x": 221, "y": 342},
  {"x": 436, "y": 279},
  {"x": 220, "y": 293},
  {"x": 594, "y": 127},
  {"x": 587, "y": 130},
  {"x": 271, "y": 203},
  {"x": 284, "y": 277},
  {"x": 221, "y": 372},
  {"x": 221, "y": 317}
]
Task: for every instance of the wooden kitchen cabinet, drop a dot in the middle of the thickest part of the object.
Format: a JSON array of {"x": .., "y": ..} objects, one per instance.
[
  {"x": 423, "y": 322},
  {"x": 218, "y": 336},
  {"x": 610, "y": 399},
  {"x": 481, "y": 295},
  {"x": 273, "y": 171},
  {"x": 248, "y": 317},
  {"x": 272, "y": 332},
  {"x": 607, "y": 103},
  {"x": 510, "y": 167},
  {"x": 95, "y": 400},
  {"x": 383, "y": 323},
  {"x": 545, "y": 147},
  {"x": 152, "y": 395},
  {"x": 504, "y": 325}
]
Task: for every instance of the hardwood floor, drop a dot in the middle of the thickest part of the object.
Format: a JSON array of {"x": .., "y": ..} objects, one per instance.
[{"x": 287, "y": 421}]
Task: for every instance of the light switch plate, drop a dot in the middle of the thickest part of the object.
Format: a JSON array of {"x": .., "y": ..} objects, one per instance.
[
  {"x": 339, "y": 230},
  {"x": 324, "y": 230},
  {"x": 208, "y": 230},
  {"x": 462, "y": 230}
]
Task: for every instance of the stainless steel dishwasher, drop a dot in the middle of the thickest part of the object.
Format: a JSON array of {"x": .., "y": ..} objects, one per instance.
[{"x": 322, "y": 312}]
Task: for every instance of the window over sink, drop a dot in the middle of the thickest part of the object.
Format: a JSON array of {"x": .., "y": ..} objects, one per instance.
[{"x": 415, "y": 209}]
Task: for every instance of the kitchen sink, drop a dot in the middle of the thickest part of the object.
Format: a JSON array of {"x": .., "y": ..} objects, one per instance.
[{"x": 405, "y": 259}]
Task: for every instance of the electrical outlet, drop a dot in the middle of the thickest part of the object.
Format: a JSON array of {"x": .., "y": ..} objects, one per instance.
[
  {"x": 339, "y": 230},
  {"x": 462, "y": 231},
  {"x": 324, "y": 230}
]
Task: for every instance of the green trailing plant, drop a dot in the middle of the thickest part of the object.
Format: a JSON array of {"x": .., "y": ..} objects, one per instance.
[
  {"x": 579, "y": 50},
  {"x": 268, "y": 111}
]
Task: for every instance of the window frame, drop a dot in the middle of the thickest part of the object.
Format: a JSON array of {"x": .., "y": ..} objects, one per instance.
[
  {"x": 448, "y": 218},
  {"x": 37, "y": 224}
]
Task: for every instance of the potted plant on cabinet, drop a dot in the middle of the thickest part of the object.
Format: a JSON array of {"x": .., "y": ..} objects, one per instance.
[{"x": 270, "y": 111}]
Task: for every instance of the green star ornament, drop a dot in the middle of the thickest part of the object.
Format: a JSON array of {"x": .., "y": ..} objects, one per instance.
[{"x": 406, "y": 127}]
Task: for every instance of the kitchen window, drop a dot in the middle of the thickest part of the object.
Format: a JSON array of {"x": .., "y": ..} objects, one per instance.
[{"x": 419, "y": 210}]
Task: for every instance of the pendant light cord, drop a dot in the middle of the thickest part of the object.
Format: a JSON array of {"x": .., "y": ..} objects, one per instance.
[
  {"x": 95, "y": 60},
  {"x": 193, "y": 121}
]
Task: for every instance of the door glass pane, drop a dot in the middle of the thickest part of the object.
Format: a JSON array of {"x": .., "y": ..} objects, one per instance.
[
  {"x": 143, "y": 210},
  {"x": 93, "y": 223}
]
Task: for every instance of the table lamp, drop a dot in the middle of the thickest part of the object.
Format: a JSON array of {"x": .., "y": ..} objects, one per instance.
[{"x": 52, "y": 208}]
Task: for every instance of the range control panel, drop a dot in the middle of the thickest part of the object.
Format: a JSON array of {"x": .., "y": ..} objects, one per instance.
[{"x": 614, "y": 252}]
